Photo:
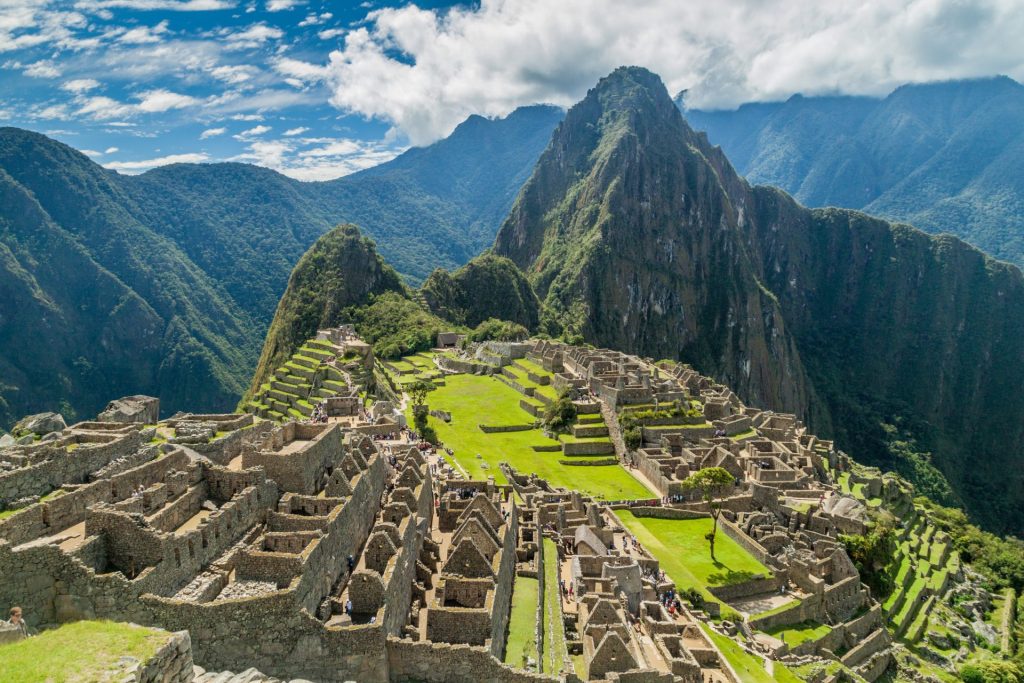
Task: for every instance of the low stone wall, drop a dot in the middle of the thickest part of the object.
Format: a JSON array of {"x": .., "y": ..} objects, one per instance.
[
  {"x": 746, "y": 542},
  {"x": 744, "y": 589},
  {"x": 172, "y": 663},
  {"x": 588, "y": 448},
  {"x": 424, "y": 662},
  {"x": 498, "y": 429},
  {"x": 666, "y": 513},
  {"x": 584, "y": 462}
]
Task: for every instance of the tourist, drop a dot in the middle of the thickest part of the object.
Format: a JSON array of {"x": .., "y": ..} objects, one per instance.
[
  {"x": 17, "y": 622},
  {"x": 348, "y": 607}
]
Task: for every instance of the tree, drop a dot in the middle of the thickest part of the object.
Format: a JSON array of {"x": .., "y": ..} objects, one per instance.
[
  {"x": 712, "y": 483},
  {"x": 418, "y": 391},
  {"x": 560, "y": 415},
  {"x": 991, "y": 671}
]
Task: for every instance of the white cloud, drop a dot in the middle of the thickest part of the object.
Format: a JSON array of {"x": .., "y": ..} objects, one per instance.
[
  {"x": 314, "y": 19},
  {"x": 111, "y": 150},
  {"x": 253, "y": 132},
  {"x": 329, "y": 33},
  {"x": 426, "y": 70},
  {"x": 173, "y": 5},
  {"x": 80, "y": 85},
  {"x": 234, "y": 74},
  {"x": 91, "y": 153},
  {"x": 212, "y": 132},
  {"x": 42, "y": 69},
  {"x": 302, "y": 72},
  {"x": 280, "y": 5},
  {"x": 160, "y": 100},
  {"x": 141, "y": 35},
  {"x": 145, "y": 165},
  {"x": 104, "y": 108},
  {"x": 333, "y": 158},
  {"x": 295, "y": 131},
  {"x": 252, "y": 37}
]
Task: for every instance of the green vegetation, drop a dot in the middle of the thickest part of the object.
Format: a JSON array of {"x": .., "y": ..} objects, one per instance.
[
  {"x": 80, "y": 652},
  {"x": 1000, "y": 560},
  {"x": 473, "y": 398},
  {"x": 397, "y": 326},
  {"x": 493, "y": 329},
  {"x": 872, "y": 553},
  {"x": 560, "y": 416},
  {"x": 488, "y": 287},
  {"x": 712, "y": 483},
  {"x": 522, "y": 623},
  {"x": 680, "y": 545}
]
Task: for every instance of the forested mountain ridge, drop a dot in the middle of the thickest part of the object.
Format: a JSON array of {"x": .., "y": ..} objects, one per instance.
[
  {"x": 944, "y": 157},
  {"x": 637, "y": 234},
  {"x": 197, "y": 256}
]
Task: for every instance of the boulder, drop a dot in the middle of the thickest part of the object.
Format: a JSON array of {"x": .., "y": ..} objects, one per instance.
[
  {"x": 140, "y": 409},
  {"x": 40, "y": 423},
  {"x": 7, "y": 440}
]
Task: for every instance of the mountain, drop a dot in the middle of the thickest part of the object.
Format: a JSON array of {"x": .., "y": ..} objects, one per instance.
[
  {"x": 945, "y": 157},
  {"x": 638, "y": 234},
  {"x": 489, "y": 286},
  {"x": 342, "y": 269},
  {"x": 193, "y": 258},
  {"x": 98, "y": 302},
  {"x": 439, "y": 206}
]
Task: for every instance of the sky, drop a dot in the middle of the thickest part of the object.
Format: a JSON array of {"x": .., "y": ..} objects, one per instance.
[{"x": 317, "y": 89}]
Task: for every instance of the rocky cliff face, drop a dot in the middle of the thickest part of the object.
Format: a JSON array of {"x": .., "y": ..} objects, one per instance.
[
  {"x": 632, "y": 230},
  {"x": 638, "y": 235}
]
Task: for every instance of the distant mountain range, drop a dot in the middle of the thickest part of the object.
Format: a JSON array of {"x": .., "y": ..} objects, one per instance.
[
  {"x": 944, "y": 157},
  {"x": 165, "y": 283}
]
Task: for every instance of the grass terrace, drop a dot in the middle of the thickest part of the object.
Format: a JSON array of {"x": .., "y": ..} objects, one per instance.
[
  {"x": 795, "y": 634},
  {"x": 473, "y": 398},
  {"x": 80, "y": 652},
  {"x": 554, "y": 630},
  {"x": 680, "y": 547},
  {"x": 522, "y": 624}
]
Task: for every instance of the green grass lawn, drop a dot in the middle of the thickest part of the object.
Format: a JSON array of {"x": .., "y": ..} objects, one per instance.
[
  {"x": 81, "y": 652},
  {"x": 749, "y": 668},
  {"x": 680, "y": 547},
  {"x": 794, "y": 634},
  {"x": 554, "y": 631},
  {"x": 522, "y": 624},
  {"x": 475, "y": 399}
]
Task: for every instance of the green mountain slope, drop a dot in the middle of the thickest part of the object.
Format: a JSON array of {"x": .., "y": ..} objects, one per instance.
[
  {"x": 945, "y": 157},
  {"x": 489, "y": 286},
  {"x": 197, "y": 338},
  {"x": 639, "y": 235},
  {"x": 208, "y": 249}
]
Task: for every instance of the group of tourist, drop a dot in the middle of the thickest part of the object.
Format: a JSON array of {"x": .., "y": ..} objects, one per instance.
[{"x": 319, "y": 414}]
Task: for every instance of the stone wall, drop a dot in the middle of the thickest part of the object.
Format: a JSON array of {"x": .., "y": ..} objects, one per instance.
[
  {"x": 503, "y": 584},
  {"x": 424, "y": 662},
  {"x": 172, "y": 663},
  {"x": 57, "y": 466}
]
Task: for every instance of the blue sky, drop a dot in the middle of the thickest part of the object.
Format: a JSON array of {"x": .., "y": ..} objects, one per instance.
[
  {"x": 136, "y": 83},
  {"x": 318, "y": 88}
]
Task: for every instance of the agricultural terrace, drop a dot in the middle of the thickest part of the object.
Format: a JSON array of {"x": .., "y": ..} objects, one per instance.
[
  {"x": 472, "y": 399},
  {"x": 682, "y": 549}
]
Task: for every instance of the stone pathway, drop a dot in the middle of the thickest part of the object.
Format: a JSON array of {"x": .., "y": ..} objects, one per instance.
[{"x": 247, "y": 676}]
